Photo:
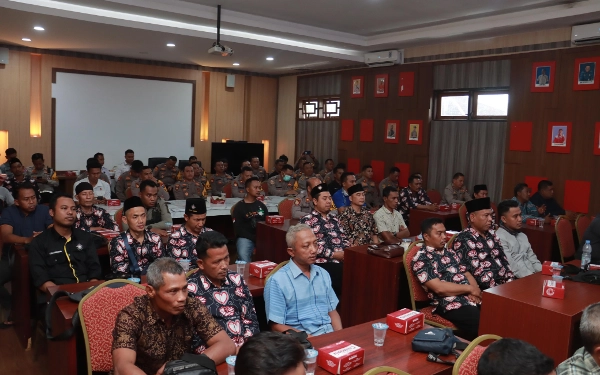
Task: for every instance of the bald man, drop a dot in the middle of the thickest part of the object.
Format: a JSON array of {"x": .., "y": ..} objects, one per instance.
[{"x": 303, "y": 203}]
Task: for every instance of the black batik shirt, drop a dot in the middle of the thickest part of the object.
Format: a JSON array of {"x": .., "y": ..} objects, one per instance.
[
  {"x": 98, "y": 218},
  {"x": 330, "y": 235},
  {"x": 146, "y": 252},
  {"x": 182, "y": 245},
  {"x": 408, "y": 200}
]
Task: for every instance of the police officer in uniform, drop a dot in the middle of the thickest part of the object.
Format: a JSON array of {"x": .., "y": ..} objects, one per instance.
[
  {"x": 303, "y": 204},
  {"x": 125, "y": 179},
  {"x": 167, "y": 171},
  {"x": 282, "y": 184},
  {"x": 200, "y": 176},
  {"x": 238, "y": 185},
  {"x": 188, "y": 188},
  {"x": 371, "y": 192},
  {"x": 390, "y": 180},
  {"x": 258, "y": 169},
  {"x": 307, "y": 172},
  {"x": 219, "y": 179},
  {"x": 147, "y": 175}
]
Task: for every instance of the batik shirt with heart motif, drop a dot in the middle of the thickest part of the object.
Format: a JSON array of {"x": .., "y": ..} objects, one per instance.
[
  {"x": 483, "y": 257},
  {"x": 330, "y": 235},
  {"x": 182, "y": 245},
  {"x": 231, "y": 305}
]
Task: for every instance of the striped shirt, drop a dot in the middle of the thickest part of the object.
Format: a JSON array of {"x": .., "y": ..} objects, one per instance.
[{"x": 299, "y": 302}]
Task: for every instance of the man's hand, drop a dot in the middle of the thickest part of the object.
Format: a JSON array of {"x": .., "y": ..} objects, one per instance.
[
  {"x": 541, "y": 209},
  {"x": 161, "y": 370},
  {"x": 475, "y": 294},
  {"x": 35, "y": 234},
  {"x": 338, "y": 255},
  {"x": 433, "y": 207}
]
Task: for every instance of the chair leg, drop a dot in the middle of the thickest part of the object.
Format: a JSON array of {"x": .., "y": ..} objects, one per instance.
[{"x": 38, "y": 338}]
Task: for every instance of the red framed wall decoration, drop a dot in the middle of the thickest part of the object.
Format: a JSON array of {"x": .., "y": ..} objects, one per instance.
[
  {"x": 585, "y": 74},
  {"x": 381, "y": 85},
  {"x": 559, "y": 137},
  {"x": 366, "y": 130},
  {"x": 392, "y": 131},
  {"x": 414, "y": 135},
  {"x": 358, "y": 87},
  {"x": 520, "y": 136},
  {"x": 406, "y": 84},
  {"x": 347, "y": 133},
  {"x": 543, "y": 76}
]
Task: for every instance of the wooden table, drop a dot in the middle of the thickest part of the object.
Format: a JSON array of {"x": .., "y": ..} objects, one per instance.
[
  {"x": 372, "y": 286},
  {"x": 543, "y": 241},
  {"x": 65, "y": 184},
  {"x": 395, "y": 352},
  {"x": 450, "y": 218},
  {"x": 21, "y": 295},
  {"x": 518, "y": 310},
  {"x": 270, "y": 241}
]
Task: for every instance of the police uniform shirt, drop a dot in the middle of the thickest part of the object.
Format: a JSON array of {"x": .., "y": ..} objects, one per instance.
[
  {"x": 385, "y": 183},
  {"x": 371, "y": 192},
  {"x": 204, "y": 181},
  {"x": 162, "y": 189},
  {"x": 260, "y": 172},
  {"x": 123, "y": 183},
  {"x": 218, "y": 182},
  {"x": 165, "y": 174},
  {"x": 184, "y": 190},
  {"x": 301, "y": 183},
  {"x": 302, "y": 205},
  {"x": 328, "y": 178},
  {"x": 278, "y": 187},
  {"x": 238, "y": 188}
]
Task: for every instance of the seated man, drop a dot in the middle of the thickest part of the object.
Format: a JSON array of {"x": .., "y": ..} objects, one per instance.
[
  {"x": 26, "y": 219},
  {"x": 356, "y": 221},
  {"x": 307, "y": 172},
  {"x": 515, "y": 357},
  {"x": 586, "y": 360},
  {"x": 390, "y": 180},
  {"x": 257, "y": 169},
  {"x": 10, "y": 153},
  {"x": 226, "y": 168},
  {"x": 101, "y": 188},
  {"x": 271, "y": 353},
  {"x": 219, "y": 179},
  {"x": 283, "y": 183},
  {"x": 126, "y": 165},
  {"x": 84, "y": 174},
  {"x": 200, "y": 176},
  {"x": 389, "y": 221},
  {"x": 158, "y": 327},
  {"x": 188, "y": 187},
  {"x": 528, "y": 209},
  {"x": 41, "y": 173},
  {"x": 279, "y": 163},
  {"x": 146, "y": 175},
  {"x": 299, "y": 295},
  {"x": 413, "y": 196},
  {"x": 544, "y": 198},
  {"x": 592, "y": 234},
  {"x": 223, "y": 292},
  {"x": 167, "y": 171},
  {"x": 182, "y": 242},
  {"x": 157, "y": 212},
  {"x": 452, "y": 291},
  {"x": 126, "y": 179},
  {"x": 238, "y": 185},
  {"x": 456, "y": 192},
  {"x": 329, "y": 164},
  {"x": 19, "y": 177},
  {"x": 90, "y": 217},
  {"x": 331, "y": 239},
  {"x": 100, "y": 157},
  {"x": 521, "y": 258},
  {"x": 341, "y": 198},
  {"x": 372, "y": 196},
  {"x": 142, "y": 247},
  {"x": 303, "y": 203},
  {"x": 335, "y": 183},
  {"x": 61, "y": 254},
  {"x": 479, "y": 250},
  {"x": 480, "y": 191},
  {"x": 246, "y": 215}
]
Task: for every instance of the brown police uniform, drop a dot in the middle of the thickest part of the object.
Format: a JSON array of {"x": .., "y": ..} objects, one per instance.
[
  {"x": 238, "y": 188},
  {"x": 301, "y": 183},
  {"x": 165, "y": 174},
  {"x": 328, "y": 178},
  {"x": 302, "y": 205},
  {"x": 162, "y": 189},
  {"x": 122, "y": 184},
  {"x": 385, "y": 183},
  {"x": 187, "y": 189},
  {"x": 278, "y": 187},
  {"x": 261, "y": 173},
  {"x": 217, "y": 183},
  {"x": 371, "y": 192}
]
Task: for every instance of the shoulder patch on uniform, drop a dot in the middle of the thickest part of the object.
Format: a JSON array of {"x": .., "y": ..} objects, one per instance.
[
  {"x": 272, "y": 182},
  {"x": 296, "y": 202}
]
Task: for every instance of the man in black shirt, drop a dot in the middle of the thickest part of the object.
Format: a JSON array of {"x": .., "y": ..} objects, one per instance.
[
  {"x": 544, "y": 198},
  {"x": 62, "y": 255},
  {"x": 336, "y": 184},
  {"x": 246, "y": 213}
]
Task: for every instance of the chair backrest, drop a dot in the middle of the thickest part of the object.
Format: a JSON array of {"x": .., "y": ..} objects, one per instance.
[
  {"x": 434, "y": 196},
  {"x": 265, "y": 187},
  {"x": 581, "y": 224},
  {"x": 564, "y": 235},
  {"x": 98, "y": 311},
  {"x": 385, "y": 369},
  {"x": 276, "y": 269},
  {"x": 495, "y": 209},
  {"x": 285, "y": 208},
  {"x": 227, "y": 190},
  {"x": 153, "y": 162},
  {"x": 451, "y": 241},
  {"x": 119, "y": 219},
  {"x": 466, "y": 363},
  {"x": 464, "y": 219},
  {"x": 191, "y": 272},
  {"x": 417, "y": 293}
]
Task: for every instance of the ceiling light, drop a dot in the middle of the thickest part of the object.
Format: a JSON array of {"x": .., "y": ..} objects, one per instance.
[
  {"x": 270, "y": 59},
  {"x": 236, "y": 64},
  {"x": 26, "y": 40},
  {"x": 38, "y": 28},
  {"x": 170, "y": 44}
]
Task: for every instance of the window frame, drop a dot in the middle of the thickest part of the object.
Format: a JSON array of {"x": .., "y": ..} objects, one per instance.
[
  {"x": 321, "y": 108},
  {"x": 473, "y": 95}
]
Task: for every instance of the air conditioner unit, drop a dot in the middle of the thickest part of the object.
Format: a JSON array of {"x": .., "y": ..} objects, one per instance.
[
  {"x": 384, "y": 58},
  {"x": 585, "y": 34}
]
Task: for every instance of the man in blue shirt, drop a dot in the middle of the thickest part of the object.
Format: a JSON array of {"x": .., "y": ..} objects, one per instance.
[
  {"x": 544, "y": 198},
  {"x": 299, "y": 295},
  {"x": 26, "y": 219},
  {"x": 341, "y": 198}
]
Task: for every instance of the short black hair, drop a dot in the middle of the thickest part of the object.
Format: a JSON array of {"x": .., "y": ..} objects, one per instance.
[
  {"x": 37, "y": 156},
  {"x": 515, "y": 357},
  {"x": 428, "y": 223},
  {"x": 269, "y": 353},
  {"x": 331, "y": 160},
  {"x": 98, "y": 154},
  {"x": 146, "y": 183},
  {"x": 146, "y": 167},
  {"x": 387, "y": 190},
  {"x": 413, "y": 177},
  {"x": 10, "y": 151},
  {"x": 254, "y": 157},
  {"x": 129, "y": 151},
  {"x": 209, "y": 240},
  {"x": 284, "y": 158},
  {"x": 24, "y": 186},
  {"x": 173, "y": 158},
  {"x": 189, "y": 165},
  {"x": 520, "y": 186},
  {"x": 337, "y": 168},
  {"x": 345, "y": 176},
  {"x": 56, "y": 197},
  {"x": 394, "y": 170},
  {"x": 192, "y": 158},
  {"x": 365, "y": 167},
  {"x": 544, "y": 184},
  {"x": 137, "y": 166},
  {"x": 279, "y": 161},
  {"x": 287, "y": 167},
  {"x": 457, "y": 175},
  {"x": 506, "y": 205},
  {"x": 249, "y": 181},
  {"x": 13, "y": 161},
  {"x": 93, "y": 163},
  {"x": 219, "y": 161},
  {"x": 245, "y": 169},
  {"x": 305, "y": 163}
]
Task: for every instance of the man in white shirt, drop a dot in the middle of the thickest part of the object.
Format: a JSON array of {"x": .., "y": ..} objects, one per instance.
[
  {"x": 126, "y": 165},
  {"x": 389, "y": 221},
  {"x": 100, "y": 157},
  {"x": 101, "y": 187}
]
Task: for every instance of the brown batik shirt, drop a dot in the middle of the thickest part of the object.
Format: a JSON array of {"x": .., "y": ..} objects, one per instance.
[{"x": 139, "y": 328}]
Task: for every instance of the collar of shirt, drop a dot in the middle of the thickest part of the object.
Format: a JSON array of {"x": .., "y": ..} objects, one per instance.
[
  {"x": 212, "y": 285},
  {"x": 388, "y": 211},
  {"x": 434, "y": 250},
  {"x": 318, "y": 215},
  {"x": 296, "y": 271},
  {"x": 147, "y": 237},
  {"x": 55, "y": 235},
  {"x": 476, "y": 234},
  {"x": 153, "y": 317},
  {"x": 510, "y": 231}
]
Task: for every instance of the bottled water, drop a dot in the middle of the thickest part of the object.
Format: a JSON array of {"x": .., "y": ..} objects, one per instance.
[{"x": 586, "y": 256}]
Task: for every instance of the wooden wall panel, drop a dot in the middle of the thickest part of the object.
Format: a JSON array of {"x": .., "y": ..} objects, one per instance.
[
  {"x": 226, "y": 108},
  {"x": 262, "y": 113},
  {"x": 287, "y": 111}
]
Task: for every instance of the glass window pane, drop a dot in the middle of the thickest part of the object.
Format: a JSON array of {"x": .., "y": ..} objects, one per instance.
[
  {"x": 492, "y": 105},
  {"x": 455, "y": 106}
]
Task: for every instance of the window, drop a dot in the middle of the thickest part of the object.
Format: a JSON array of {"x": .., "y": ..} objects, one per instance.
[
  {"x": 472, "y": 105},
  {"x": 319, "y": 108}
]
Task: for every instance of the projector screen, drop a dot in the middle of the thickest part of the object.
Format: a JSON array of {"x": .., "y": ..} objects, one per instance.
[{"x": 107, "y": 114}]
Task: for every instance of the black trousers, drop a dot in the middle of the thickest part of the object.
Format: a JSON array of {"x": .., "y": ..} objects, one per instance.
[
  {"x": 336, "y": 271},
  {"x": 466, "y": 319}
]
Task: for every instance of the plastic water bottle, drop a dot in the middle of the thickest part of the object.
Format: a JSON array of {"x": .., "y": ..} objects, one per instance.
[{"x": 586, "y": 256}]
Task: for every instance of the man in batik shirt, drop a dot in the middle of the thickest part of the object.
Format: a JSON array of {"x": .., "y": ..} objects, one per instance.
[
  {"x": 182, "y": 242},
  {"x": 90, "y": 217},
  {"x": 479, "y": 250},
  {"x": 413, "y": 196},
  {"x": 357, "y": 222},
  {"x": 450, "y": 288},
  {"x": 223, "y": 292}
]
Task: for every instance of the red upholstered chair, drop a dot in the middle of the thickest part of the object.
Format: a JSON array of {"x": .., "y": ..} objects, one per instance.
[
  {"x": 385, "y": 370},
  {"x": 434, "y": 196},
  {"x": 564, "y": 235},
  {"x": 466, "y": 364},
  {"x": 119, "y": 218},
  {"x": 227, "y": 190},
  {"x": 265, "y": 187},
  {"x": 495, "y": 208},
  {"x": 417, "y": 293},
  {"x": 463, "y": 215},
  {"x": 128, "y": 193},
  {"x": 285, "y": 208},
  {"x": 98, "y": 311},
  {"x": 581, "y": 224}
]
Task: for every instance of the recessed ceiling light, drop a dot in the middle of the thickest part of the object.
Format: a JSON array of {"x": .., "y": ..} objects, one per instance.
[
  {"x": 170, "y": 44},
  {"x": 270, "y": 58},
  {"x": 26, "y": 40},
  {"x": 38, "y": 28},
  {"x": 236, "y": 64}
]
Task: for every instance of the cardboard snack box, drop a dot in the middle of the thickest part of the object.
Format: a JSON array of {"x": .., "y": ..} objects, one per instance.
[
  {"x": 553, "y": 289},
  {"x": 275, "y": 219},
  {"x": 261, "y": 269},
  {"x": 444, "y": 208},
  {"x": 405, "y": 321},
  {"x": 340, "y": 357},
  {"x": 113, "y": 202},
  {"x": 547, "y": 267}
]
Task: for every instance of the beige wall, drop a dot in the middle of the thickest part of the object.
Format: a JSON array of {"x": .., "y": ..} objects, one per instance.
[{"x": 286, "y": 117}]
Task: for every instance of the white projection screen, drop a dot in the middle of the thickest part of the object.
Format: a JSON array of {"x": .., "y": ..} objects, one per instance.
[{"x": 109, "y": 114}]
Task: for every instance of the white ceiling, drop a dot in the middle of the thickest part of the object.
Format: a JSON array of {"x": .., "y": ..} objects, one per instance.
[{"x": 299, "y": 34}]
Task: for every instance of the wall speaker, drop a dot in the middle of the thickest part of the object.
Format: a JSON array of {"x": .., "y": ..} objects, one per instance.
[
  {"x": 229, "y": 82},
  {"x": 4, "y": 56}
]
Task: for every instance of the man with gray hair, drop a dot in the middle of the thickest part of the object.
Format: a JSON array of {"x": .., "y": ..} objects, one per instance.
[
  {"x": 299, "y": 295},
  {"x": 158, "y": 327},
  {"x": 586, "y": 360}
]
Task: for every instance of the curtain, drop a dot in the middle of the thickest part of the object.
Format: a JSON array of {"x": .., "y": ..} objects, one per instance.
[
  {"x": 324, "y": 85},
  {"x": 474, "y": 75},
  {"x": 475, "y": 149},
  {"x": 320, "y": 137}
]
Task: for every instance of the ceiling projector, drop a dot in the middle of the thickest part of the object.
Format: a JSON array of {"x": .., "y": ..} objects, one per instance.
[{"x": 219, "y": 49}]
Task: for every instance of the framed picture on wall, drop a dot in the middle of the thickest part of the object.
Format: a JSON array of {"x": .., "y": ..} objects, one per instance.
[
  {"x": 414, "y": 132},
  {"x": 392, "y": 131},
  {"x": 358, "y": 84},
  {"x": 542, "y": 76},
  {"x": 381, "y": 86},
  {"x": 584, "y": 77},
  {"x": 559, "y": 137},
  {"x": 597, "y": 139}
]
